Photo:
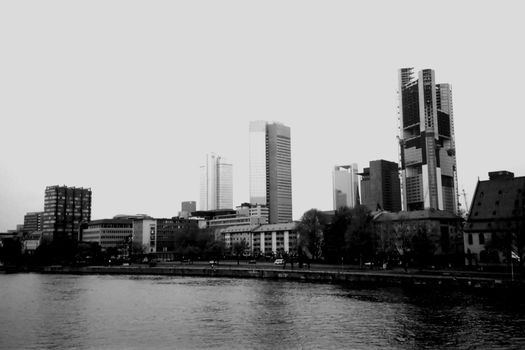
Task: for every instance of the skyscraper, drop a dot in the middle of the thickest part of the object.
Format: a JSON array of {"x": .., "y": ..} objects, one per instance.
[
  {"x": 380, "y": 187},
  {"x": 216, "y": 190},
  {"x": 345, "y": 186},
  {"x": 271, "y": 169},
  {"x": 65, "y": 208},
  {"x": 427, "y": 145}
]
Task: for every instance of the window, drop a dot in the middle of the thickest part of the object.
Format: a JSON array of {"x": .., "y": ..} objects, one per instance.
[
  {"x": 481, "y": 238},
  {"x": 470, "y": 238}
]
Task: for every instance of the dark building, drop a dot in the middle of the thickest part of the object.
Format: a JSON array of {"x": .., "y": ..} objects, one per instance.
[
  {"x": 65, "y": 208},
  {"x": 496, "y": 222},
  {"x": 442, "y": 228},
  {"x": 213, "y": 214},
  {"x": 380, "y": 186},
  {"x": 167, "y": 235},
  {"x": 33, "y": 221}
]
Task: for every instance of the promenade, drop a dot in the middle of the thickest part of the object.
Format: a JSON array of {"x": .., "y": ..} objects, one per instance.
[{"x": 316, "y": 273}]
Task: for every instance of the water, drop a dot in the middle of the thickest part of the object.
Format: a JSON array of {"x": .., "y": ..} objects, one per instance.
[{"x": 140, "y": 312}]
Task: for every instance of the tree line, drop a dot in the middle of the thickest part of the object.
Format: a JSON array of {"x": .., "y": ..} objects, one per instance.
[{"x": 351, "y": 236}]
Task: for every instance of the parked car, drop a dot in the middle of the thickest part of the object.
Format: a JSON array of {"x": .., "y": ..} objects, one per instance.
[
  {"x": 253, "y": 261},
  {"x": 279, "y": 261},
  {"x": 214, "y": 262}
]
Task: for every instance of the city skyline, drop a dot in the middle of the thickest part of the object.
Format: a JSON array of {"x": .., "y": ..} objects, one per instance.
[{"x": 142, "y": 103}]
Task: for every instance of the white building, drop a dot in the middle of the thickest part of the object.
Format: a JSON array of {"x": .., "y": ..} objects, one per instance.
[
  {"x": 109, "y": 233},
  {"x": 145, "y": 233},
  {"x": 262, "y": 239},
  {"x": 216, "y": 184}
]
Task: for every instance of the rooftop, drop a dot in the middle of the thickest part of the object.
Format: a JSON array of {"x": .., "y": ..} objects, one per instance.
[{"x": 501, "y": 198}]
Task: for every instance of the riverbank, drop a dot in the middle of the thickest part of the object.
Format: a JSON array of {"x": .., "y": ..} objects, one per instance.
[{"x": 369, "y": 277}]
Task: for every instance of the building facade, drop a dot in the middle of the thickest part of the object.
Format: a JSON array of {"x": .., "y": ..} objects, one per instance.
[
  {"x": 145, "y": 234},
  {"x": 65, "y": 208},
  {"x": 271, "y": 169},
  {"x": 380, "y": 186},
  {"x": 495, "y": 225},
  {"x": 109, "y": 233},
  {"x": 427, "y": 144},
  {"x": 269, "y": 239},
  {"x": 443, "y": 230},
  {"x": 345, "y": 186},
  {"x": 216, "y": 184},
  {"x": 33, "y": 221}
]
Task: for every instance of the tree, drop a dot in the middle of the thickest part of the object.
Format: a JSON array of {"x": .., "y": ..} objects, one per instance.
[
  {"x": 215, "y": 249},
  {"x": 311, "y": 233},
  {"x": 334, "y": 235},
  {"x": 137, "y": 248},
  {"x": 423, "y": 248},
  {"x": 359, "y": 236},
  {"x": 191, "y": 241},
  {"x": 11, "y": 251},
  {"x": 239, "y": 248}
]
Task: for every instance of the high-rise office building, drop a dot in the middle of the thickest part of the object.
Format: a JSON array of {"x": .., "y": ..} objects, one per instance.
[
  {"x": 345, "y": 186},
  {"x": 216, "y": 190},
  {"x": 33, "y": 221},
  {"x": 65, "y": 208},
  {"x": 380, "y": 186},
  {"x": 427, "y": 146},
  {"x": 271, "y": 169}
]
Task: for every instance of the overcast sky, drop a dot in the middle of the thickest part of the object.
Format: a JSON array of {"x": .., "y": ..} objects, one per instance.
[{"x": 127, "y": 97}]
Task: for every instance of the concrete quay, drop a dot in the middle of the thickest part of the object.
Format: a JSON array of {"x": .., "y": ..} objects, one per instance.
[{"x": 373, "y": 278}]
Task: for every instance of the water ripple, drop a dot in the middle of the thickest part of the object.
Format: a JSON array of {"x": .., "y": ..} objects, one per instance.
[{"x": 136, "y": 312}]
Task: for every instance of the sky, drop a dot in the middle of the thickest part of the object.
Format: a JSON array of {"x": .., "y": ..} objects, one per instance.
[{"x": 127, "y": 97}]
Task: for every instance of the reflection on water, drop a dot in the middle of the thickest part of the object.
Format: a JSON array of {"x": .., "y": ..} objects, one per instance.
[{"x": 136, "y": 312}]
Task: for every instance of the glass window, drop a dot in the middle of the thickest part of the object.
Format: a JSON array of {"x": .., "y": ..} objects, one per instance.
[{"x": 481, "y": 238}]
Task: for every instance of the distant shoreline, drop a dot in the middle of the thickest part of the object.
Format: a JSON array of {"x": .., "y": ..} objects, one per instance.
[{"x": 374, "y": 278}]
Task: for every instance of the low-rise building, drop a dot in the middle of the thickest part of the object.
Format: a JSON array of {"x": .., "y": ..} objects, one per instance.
[
  {"x": 495, "y": 227},
  {"x": 268, "y": 239},
  {"x": 31, "y": 242},
  {"x": 145, "y": 234},
  {"x": 442, "y": 229},
  {"x": 109, "y": 233}
]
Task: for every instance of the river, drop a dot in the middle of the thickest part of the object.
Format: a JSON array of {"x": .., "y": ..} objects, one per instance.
[{"x": 39, "y": 311}]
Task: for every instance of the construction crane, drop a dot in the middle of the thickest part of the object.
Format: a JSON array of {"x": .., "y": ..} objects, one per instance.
[{"x": 465, "y": 198}]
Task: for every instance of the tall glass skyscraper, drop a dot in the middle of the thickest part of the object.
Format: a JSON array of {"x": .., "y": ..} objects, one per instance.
[
  {"x": 216, "y": 184},
  {"x": 427, "y": 145},
  {"x": 345, "y": 186},
  {"x": 271, "y": 169}
]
